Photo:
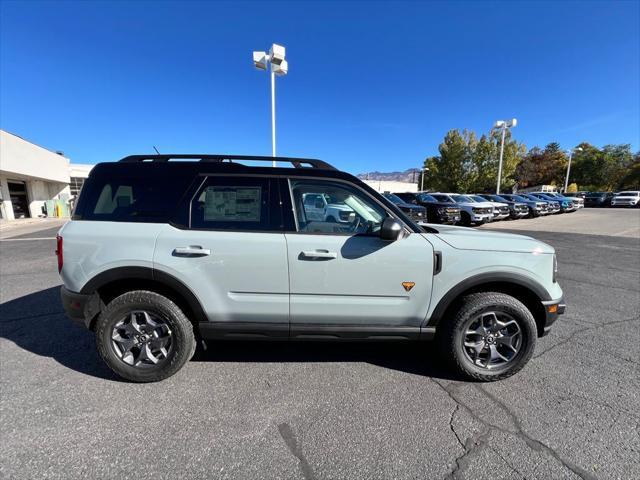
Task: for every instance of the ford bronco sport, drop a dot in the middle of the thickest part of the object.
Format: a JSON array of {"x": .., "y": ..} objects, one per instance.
[{"x": 162, "y": 253}]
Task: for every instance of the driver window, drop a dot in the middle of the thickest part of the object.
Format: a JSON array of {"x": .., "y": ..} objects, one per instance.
[{"x": 335, "y": 208}]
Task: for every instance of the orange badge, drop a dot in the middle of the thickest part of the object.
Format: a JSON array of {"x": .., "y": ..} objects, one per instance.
[{"x": 408, "y": 285}]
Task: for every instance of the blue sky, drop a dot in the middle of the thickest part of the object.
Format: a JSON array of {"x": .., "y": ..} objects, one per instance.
[{"x": 372, "y": 86}]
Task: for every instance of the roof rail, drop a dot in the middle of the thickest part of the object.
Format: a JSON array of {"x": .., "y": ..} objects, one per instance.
[{"x": 295, "y": 162}]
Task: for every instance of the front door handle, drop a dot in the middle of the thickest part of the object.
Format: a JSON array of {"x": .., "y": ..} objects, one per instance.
[
  {"x": 191, "y": 251},
  {"x": 318, "y": 255}
]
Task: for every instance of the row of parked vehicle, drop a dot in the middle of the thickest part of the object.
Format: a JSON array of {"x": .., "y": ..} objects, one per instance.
[
  {"x": 609, "y": 199},
  {"x": 476, "y": 209}
]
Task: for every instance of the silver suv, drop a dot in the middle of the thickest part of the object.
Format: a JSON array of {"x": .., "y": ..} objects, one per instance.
[{"x": 163, "y": 254}]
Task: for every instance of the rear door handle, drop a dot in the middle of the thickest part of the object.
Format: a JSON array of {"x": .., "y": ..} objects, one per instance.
[
  {"x": 191, "y": 251},
  {"x": 318, "y": 254}
]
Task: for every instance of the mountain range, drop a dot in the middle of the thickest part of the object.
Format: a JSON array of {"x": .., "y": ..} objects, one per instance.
[{"x": 409, "y": 176}]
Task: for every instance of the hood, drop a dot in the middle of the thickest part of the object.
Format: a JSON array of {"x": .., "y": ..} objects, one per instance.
[
  {"x": 410, "y": 206},
  {"x": 482, "y": 204},
  {"x": 443, "y": 204},
  {"x": 463, "y": 238}
]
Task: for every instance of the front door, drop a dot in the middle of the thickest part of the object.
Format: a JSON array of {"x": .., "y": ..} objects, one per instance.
[
  {"x": 233, "y": 256},
  {"x": 343, "y": 277}
]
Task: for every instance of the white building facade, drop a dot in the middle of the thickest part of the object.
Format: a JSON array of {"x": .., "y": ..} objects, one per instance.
[
  {"x": 32, "y": 179},
  {"x": 391, "y": 186}
]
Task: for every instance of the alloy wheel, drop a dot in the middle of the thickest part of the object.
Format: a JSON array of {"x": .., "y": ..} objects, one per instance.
[
  {"x": 142, "y": 339},
  {"x": 492, "y": 339}
]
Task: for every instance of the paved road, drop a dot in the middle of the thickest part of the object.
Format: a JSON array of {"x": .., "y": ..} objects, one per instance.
[
  {"x": 619, "y": 222},
  {"x": 315, "y": 411}
]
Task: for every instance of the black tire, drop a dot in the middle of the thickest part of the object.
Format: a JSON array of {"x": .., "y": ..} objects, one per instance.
[
  {"x": 450, "y": 336},
  {"x": 331, "y": 219},
  {"x": 183, "y": 342},
  {"x": 465, "y": 219}
]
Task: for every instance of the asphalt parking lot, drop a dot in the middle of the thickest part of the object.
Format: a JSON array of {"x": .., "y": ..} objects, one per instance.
[{"x": 315, "y": 411}]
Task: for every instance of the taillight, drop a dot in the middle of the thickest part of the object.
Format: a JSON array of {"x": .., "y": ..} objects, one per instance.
[{"x": 59, "y": 252}]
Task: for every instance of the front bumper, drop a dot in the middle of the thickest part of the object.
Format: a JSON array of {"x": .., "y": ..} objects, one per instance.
[
  {"x": 448, "y": 218},
  {"x": 79, "y": 307},
  {"x": 552, "y": 309},
  {"x": 484, "y": 217}
]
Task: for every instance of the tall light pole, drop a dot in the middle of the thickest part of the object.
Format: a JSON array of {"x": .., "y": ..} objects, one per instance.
[
  {"x": 504, "y": 125},
  {"x": 566, "y": 180},
  {"x": 424, "y": 170},
  {"x": 279, "y": 67}
]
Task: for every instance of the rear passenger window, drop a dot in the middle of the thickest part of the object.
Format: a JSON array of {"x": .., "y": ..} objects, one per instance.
[
  {"x": 236, "y": 203},
  {"x": 132, "y": 199}
]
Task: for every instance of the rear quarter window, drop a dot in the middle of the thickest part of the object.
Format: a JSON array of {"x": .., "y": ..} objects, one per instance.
[{"x": 116, "y": 198}]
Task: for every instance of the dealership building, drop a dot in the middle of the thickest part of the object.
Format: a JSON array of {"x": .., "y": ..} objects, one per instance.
[{"x": 35, "y": 181}]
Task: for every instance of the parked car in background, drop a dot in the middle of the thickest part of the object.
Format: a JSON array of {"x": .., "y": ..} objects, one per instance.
[
  {"x": 417, "y": 213},
  {"x": 500, "y": 209},
  {"x": 536, "y": 207},
  {"x": 582, "y": 194},
  {"x": 322, "y": 208},
  {"x": 516, "y": 209},
  {"x": 437, "y": 212},
  {"x": 471, "y": 212},
  {"x": 626, "y": 199},
  {"x": 578, "y": 202},
  {"x": 555, "y": 205},
  {"x": 598, "y": 199}
]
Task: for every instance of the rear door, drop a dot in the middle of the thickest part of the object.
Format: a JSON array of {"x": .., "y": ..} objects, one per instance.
[
  {"x": 232, "y": 254},
  {"x": 345, "y": 280}
]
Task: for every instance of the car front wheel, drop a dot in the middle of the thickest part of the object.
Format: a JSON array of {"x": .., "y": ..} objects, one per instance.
[
  {"x": 144, "y": 337},
  {"x": 491, "y": 336}
]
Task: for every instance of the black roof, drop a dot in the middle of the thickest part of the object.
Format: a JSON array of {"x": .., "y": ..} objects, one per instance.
[{"x": 186, "y": 164}]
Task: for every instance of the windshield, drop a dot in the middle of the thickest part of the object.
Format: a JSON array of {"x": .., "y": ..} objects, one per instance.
[
  {"x": 423, "y": 197},
  {"x": 443, "y": 198},
  {"x": 462, "y": 199},
  {"x": 478, "y": 198},
  {"x": 394, "y": 198},
  {"x": 596, "y": 195},
  {"x": 519, "y": 198},
  {"x": 628, "y": 194}
]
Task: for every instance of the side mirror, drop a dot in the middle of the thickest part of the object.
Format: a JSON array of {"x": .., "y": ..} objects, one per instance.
[{"x": 390, "y": 230}]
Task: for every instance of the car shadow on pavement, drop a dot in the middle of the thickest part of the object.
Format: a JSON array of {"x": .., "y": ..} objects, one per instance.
[
  {"x": 37, "y": 323},
  {"x": 417, "y": 358}
]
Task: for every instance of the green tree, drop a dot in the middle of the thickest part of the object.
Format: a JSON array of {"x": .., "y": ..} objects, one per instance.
[
  {"x": 449, "y": 170},
  {"x": 542, "y": 166},
  {"x": 601, "y": 169},
  {"x": 631, "y": 179},
  {"x": 466, "y": 164}
]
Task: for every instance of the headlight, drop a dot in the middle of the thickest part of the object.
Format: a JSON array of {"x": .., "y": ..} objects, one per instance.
[{"x": 555, "y": 268}]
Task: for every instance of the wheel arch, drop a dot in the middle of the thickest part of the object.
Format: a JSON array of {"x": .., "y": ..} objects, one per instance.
[
  {"x": 114, "y": 282},
  {"x": 526, "y": 290}
]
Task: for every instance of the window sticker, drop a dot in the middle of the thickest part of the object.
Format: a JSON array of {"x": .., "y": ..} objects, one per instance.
[{"x": 232, "y": 204}]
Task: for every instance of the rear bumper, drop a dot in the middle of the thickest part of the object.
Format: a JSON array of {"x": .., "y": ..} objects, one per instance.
[
  {"x": 552, "y": 309},
  {"x": 79, "y": 307}
]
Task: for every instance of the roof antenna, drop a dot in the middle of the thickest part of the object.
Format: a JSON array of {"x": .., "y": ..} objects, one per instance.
[{"x": 154, "y": 147}]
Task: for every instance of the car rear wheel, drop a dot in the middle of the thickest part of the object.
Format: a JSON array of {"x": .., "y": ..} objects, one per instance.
[
  {"x": 492, "y": 336},
  {"x": 144, "y": 337}
]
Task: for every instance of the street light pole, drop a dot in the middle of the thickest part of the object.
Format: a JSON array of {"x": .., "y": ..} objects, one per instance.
[
  {"x": 273, "y": 115},
  {"x": 279, "y": 67},
  {"x": 424, "y": 170},
  {"x": 504, "y": 125},
  {"x": 566, "y": 180}
]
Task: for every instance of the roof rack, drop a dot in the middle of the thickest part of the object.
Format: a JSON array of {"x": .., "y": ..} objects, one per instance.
[{"x": 296, "y": 162}]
